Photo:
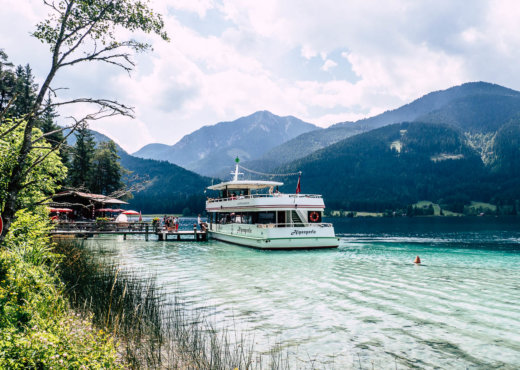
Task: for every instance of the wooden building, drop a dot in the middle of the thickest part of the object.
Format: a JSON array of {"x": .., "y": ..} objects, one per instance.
[{"x": 84, "y": 205}]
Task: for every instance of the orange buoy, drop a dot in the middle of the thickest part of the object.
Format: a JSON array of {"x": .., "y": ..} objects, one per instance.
[{"x": 417, "y": 260}]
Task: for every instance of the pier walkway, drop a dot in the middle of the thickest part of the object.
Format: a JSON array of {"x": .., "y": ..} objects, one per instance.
[{"x": 85, "y": 229}]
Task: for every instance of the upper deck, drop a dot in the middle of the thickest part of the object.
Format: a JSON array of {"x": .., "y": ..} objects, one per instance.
[
  {"x": 261, "y": 202},
  {"x": 237, "y": 195}
]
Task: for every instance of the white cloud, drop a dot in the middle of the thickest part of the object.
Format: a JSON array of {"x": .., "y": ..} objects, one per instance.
[
  {"x": 328, "y": 65},
  {"x": 286, "y": 57},
  {"x": 307, "y": 52}
]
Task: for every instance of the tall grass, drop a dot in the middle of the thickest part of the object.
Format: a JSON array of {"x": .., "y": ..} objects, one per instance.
[{"x": 154, "y": 330}]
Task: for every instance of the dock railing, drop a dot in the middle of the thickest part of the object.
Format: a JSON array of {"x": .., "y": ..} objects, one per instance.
[{"x": 110, "y": 226}]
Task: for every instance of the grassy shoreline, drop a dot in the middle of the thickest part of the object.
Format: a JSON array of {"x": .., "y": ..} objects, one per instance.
[{"x": 63, "y": 306}]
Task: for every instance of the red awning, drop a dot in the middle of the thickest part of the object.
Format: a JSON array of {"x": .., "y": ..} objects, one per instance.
[{"x": 131, "y": 213}]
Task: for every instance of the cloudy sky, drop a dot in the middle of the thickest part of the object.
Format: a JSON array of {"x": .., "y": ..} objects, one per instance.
[{"x": 321, "y": 61}]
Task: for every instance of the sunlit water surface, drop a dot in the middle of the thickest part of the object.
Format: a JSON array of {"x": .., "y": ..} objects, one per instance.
[{"x": 364, "y": 304}]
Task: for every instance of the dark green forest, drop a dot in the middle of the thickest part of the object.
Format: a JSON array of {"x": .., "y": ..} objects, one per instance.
[
  {"x": 162, "y": 187},
  {"x": 401, "y": 164}
]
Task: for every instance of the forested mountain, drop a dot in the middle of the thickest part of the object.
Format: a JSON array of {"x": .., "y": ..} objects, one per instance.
[
  {"x": 164, "y": 187},
  {"x": 158, "y": 186},
  {"x": 396, "y": 165},
  {"x": 212, "y": 149},
  {"x": 475, "y": 107}
]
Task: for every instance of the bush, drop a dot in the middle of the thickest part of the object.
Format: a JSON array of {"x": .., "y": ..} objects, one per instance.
[{"x": 37, "y": 330}]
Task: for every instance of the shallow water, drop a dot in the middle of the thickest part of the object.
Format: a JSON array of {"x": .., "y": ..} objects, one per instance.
[{"x": 364, "y": 304}]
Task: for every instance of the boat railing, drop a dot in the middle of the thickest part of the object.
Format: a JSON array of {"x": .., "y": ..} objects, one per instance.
[{"x": 253, "y": 196}]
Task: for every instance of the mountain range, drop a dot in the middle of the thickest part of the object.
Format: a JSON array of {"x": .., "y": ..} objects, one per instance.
[
  {"x": 450, "y": 146},
  {"x": 211, "y": 150},
  {"x": 475, "y": 107}
]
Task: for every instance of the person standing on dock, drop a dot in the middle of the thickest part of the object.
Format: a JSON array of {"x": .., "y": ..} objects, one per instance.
[
  {"x": 199, "y": 222},
  {"x": 176, "y": 223}
]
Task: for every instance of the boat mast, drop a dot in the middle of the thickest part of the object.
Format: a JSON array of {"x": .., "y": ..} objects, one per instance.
[{"x": 236, "y": 173}]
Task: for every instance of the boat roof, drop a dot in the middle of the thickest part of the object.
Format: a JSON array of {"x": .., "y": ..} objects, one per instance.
[{"x": 244, "y": 184}]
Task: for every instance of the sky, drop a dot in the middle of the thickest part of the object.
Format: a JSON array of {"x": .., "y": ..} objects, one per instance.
[{"x": 321, "y": 61}]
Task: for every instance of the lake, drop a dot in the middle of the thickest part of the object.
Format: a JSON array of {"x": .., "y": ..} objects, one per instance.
[{"x": 365, "y": 304}]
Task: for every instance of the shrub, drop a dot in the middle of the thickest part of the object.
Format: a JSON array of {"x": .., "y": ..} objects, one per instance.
[{"x": 36, "y": 328}]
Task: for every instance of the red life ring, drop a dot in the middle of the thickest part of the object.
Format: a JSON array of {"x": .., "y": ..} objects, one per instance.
[{"x": 314, "y": 216}]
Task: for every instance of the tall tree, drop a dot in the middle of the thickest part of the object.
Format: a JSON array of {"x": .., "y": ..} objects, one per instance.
[
  {"x": 106, "y": 170},
  {"x": 80, "y": 31},
  {"x": 83, "y": 154},
  {"x": 7, "y": 81},
  {"x": 25, "y": 90},
  {"x": 53, "y": 132}
]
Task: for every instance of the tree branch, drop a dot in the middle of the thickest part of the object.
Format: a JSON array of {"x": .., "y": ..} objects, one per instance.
[{"x": 105, "y": 104}]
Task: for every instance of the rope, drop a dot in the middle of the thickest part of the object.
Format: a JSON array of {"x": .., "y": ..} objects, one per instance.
[{"x": 270, "y": 174}]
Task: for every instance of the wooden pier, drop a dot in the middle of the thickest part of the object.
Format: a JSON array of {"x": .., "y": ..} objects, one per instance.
[{"x": 85, "y": 229}]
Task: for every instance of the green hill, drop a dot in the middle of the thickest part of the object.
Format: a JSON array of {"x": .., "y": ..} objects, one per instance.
[
  {"x": 393, "y": 166},
  {"x": 164, "y": 187},
  {"x": 160, "y": 186}
]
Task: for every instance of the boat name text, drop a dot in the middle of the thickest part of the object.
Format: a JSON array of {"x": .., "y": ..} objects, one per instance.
[{"x": 303, "y": 232}]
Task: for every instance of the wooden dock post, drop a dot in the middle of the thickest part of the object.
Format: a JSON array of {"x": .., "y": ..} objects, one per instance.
[
  {"x": 146, "y": 232},
  {"x": 124, "y": 236}
]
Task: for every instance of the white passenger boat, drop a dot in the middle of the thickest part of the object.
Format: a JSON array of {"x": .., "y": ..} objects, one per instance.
[{"x": 242, "y": 215}]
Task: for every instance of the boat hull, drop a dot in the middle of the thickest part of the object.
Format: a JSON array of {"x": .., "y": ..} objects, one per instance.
[{"x": 276, "y": 238}]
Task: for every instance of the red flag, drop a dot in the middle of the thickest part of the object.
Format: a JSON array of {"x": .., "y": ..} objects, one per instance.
[{"x": 298, "y": 189}]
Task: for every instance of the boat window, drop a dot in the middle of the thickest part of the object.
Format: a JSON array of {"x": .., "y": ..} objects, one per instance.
[{"x": 266, "y": 218}]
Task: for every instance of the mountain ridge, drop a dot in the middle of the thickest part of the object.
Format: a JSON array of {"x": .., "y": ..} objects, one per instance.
[
  {"x": 210, "y": 149},
  {"x": 420, "y": 109}
]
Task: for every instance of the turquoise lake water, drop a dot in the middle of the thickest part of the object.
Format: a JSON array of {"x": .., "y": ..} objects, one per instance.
[{"x": 364, "y": 304}]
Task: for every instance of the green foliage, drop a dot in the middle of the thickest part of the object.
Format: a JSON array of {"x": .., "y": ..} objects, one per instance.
[
  {"x": 36, "y": 328},
  {"x": 83, "y": 154},
  {"x": 54, "y": 133},
  {"x": 96, "y": 169},
  {"x": 25, "y": 89},
  {"x": 7, "y": 80},
  {"x": 103, "y": 19},
  {"x": 29, "y": 238},
  {"x": 16, "y": 87},
  {"x": 506, "y": 149},
  {"x": 45, "y": 170},
  {"x": 106, "y": 171}
]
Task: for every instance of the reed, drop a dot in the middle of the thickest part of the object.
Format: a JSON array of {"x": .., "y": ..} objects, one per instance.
[{"x": 153, "y": 329}]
